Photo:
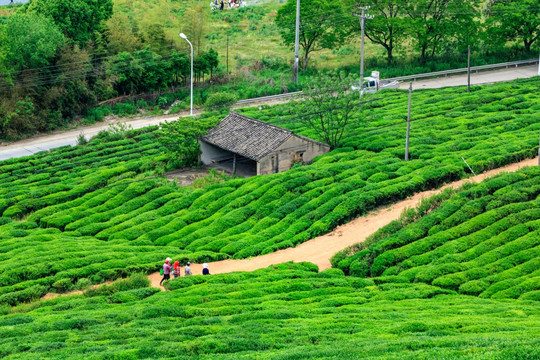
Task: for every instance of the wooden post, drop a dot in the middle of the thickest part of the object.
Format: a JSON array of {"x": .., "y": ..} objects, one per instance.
[
  {"x": 234, "y": 164},
  {"x": 227, "y": 53},
  {"x": 469, "y": 68}
]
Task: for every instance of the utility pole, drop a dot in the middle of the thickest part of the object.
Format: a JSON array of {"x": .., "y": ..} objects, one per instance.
[
  {"x": 408, "y": 124},
  {"x": 227, "y": 53},
  {"x": 296, "y": 42},
  {"x": 362, "y": 16},
  {"x": 469, "y": 68}
]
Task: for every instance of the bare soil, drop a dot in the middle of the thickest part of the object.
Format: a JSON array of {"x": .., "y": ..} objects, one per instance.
[{"x": 321, "y": 249}]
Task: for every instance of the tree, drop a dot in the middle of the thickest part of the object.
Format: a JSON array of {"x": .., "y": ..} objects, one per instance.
[
  {"x": 180, "y": 66},
  {"x": 387, "y": 28},
  {"x": 211, "y": 59},
  {"x": 120, "y": 34},
  {"x": 77, "y": 19},
  {"x": 432, "y": 22},
  {"x": 327, "y": 106},
  {"x": 31, "y": 41},
  {"x": 510, "y": 20},
  {"x": 5, "y": 72},
  {"x": 195, "y": 27},
  {"x": 180, "y": 139},
  {"x": 320, "y": 26}
]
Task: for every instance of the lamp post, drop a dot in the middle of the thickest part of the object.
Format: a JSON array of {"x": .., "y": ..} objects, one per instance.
[{"x": 183, "y": 36}]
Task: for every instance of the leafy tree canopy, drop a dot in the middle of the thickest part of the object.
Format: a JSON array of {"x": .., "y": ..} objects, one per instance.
[
  {"x": 388, "y": 26},
  {"x": 434, "y": 23},
  {"x": 320, "y": 25},
  {"x": 77, "y": 19},
  {"x": 510, "y": 20},
  {"x": 31, "y": 41}
]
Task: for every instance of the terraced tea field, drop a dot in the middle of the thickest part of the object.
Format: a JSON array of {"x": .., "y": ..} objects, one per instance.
[
  {"x": 104, "y": 200},
  {"x": 484, "y": 241},
  {"x": 284, "y": 312}
]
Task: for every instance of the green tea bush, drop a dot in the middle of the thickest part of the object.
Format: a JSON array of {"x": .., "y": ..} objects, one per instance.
[
  {"x": 102, "y": 198},
  {"x": 482, "y": 241}
]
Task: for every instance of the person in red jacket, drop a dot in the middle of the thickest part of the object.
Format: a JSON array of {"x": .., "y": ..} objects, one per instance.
[{"x": 176, "y": 269}]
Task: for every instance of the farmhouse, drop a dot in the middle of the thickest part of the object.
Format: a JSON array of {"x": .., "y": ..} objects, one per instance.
[{"x": 256, "y": 148}]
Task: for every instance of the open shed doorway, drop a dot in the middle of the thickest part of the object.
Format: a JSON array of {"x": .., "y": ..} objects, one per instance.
[{"x": 234, "y": 164}]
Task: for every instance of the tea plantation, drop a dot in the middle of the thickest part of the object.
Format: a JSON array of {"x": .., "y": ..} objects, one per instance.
[
  {"x": 484, "y": 241},
  {"x": 284, "y": 312},
  {"x": 97, "y": 212}
]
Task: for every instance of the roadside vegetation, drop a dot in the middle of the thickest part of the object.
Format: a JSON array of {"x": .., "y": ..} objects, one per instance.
[{"x": 126, "y": 58}]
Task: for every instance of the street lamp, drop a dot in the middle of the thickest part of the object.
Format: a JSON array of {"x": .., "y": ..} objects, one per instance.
[{"x": 183, "y": 36}]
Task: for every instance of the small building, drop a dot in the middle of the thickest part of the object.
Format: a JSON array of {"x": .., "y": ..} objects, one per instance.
[{"x": 252, "y": 147}]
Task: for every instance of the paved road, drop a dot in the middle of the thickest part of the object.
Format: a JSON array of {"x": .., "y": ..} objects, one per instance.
[
  {"x": 69, "y": 137},
  {"x": 483, "y": 77}
]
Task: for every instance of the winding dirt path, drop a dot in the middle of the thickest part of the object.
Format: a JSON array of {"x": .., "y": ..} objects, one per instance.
[{"x": 321, "y": 249}]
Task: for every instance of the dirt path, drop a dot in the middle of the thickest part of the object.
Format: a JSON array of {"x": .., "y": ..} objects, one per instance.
[{"x": 321, "y": 249}]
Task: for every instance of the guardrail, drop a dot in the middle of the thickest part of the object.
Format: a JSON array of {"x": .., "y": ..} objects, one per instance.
[
  {"x": 270, "y": 97},
  {"x": 408, "y": 77},
  {"x": 464, "y": 70}
]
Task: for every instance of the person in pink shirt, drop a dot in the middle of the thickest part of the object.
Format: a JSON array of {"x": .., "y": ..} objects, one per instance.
[{"x": 166, "y": 270}]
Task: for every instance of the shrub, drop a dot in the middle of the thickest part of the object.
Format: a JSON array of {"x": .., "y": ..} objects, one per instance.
[{"x": 220, "y": 99}]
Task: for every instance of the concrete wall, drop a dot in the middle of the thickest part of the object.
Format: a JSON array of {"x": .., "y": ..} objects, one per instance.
[{"x": 295, "y": 148}]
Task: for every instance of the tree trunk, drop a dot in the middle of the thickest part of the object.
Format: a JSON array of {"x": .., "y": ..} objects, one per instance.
[
  {"x": 527, "y": 45},
  {"x": 305, "y": 62},
  {"x": 423, "y": 53}
]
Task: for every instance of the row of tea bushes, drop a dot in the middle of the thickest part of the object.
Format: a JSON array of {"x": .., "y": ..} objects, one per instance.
[
  {"x": 102, "y": 189},
  {"x": 287, "y": 311},
  {"x": 482, "y": 241}
]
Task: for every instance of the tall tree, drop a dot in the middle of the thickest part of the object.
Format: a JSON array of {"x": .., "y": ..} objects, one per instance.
[
  {"x": 327, "y": 106},
  {"x": 77, "y": 19},
  {"x": 195, "y": 27},
  {"x": 120, "y": 34},
  {"x": 388, "y": 27},
  {"x": 321, "y": 25},
  {"x": 513, "y": 20},
  {"x": 433, "y": 22},
  {"x": 32, "y": 41}
]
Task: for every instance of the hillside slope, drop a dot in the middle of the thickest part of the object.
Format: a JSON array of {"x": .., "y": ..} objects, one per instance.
[
  {"x": 284, "y": 312},
  {"x": 104, "y": 194},
  {"x": 484, "y": 241}
]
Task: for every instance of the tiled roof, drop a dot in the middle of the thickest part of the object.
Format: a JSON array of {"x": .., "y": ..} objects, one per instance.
[{"x": 245, "y": 136}]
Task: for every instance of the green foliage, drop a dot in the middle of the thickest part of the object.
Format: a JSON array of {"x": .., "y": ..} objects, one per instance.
[
  {"x": 220, "y": 99},
  {"x": 102, "y": 205},
  {"x": 284, "y": 311},
  {"x": 79, "y": 20},
  {"x": 327, "y": 106},
  {"x": 32, "y": 41},
  {"x": 320, "y": 32},
  {"x": 435, "y": 24},
  {"x": 180, "y": 137},
  {"x": 482, "y": 241},
  {"x": 513, "y": 21}
]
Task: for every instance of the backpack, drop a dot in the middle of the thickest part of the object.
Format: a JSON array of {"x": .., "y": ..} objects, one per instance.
[{"x": 161, "y": 272}]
